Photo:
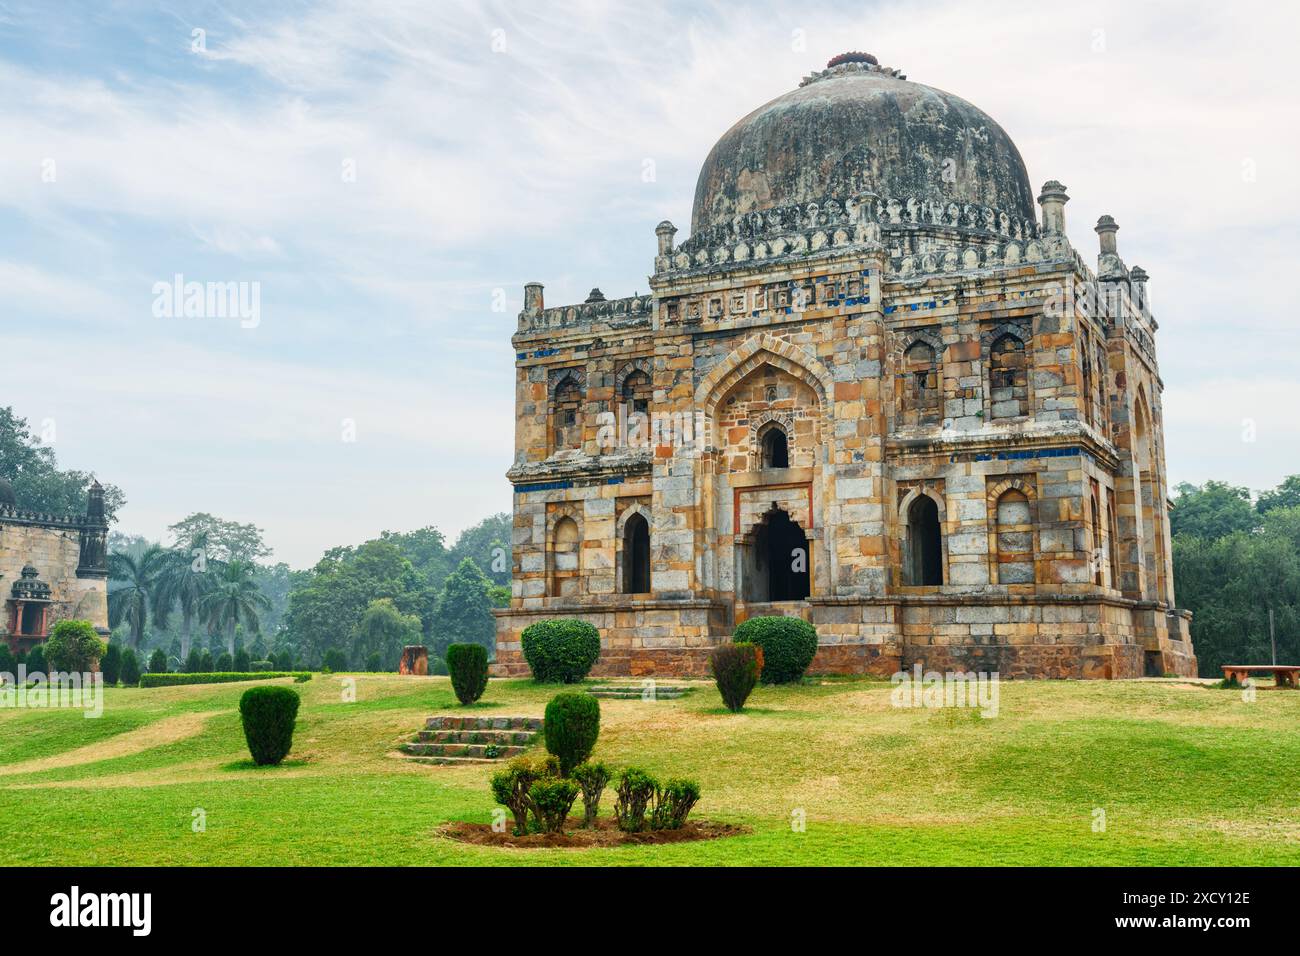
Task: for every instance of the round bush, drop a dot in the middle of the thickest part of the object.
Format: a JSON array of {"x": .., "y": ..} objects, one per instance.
[
  {"x": 73, "y": 647},
  {"x": 36, "y": 660},
  {"x": 242, "y": 663},
  {"x": 334, "y": 661},
  {"x": 268, "y": 714},
  {"x": 158, "y": 662},
  {"x": 205, "y": 663},
  {"x": 571, "y": 726},
  {"x": 110, "y": 665},
  {"x": 468, "y": 666},
  {"x": 560, "y": 651},
  {"x": 788, "y": 644},
  {"x": 224, "y": 663},
  {"x": 374, "y": 662}
]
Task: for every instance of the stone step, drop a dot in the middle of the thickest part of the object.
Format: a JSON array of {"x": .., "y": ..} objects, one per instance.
[
  {"x": 461, "y": 750},
  {"x": 503, "y": 738},
  {"x": 444, "y": 761},
  {"x": 637, "y": 693},
  {"x": 444, "y": 722}
]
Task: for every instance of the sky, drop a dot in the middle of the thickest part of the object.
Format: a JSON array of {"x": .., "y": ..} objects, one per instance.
[{"x": 387, "y": 176}]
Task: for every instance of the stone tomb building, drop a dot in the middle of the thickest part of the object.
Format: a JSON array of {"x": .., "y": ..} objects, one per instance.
[
  {"x": 877, "y": 389},
  {"x": 52, "y": 567}
]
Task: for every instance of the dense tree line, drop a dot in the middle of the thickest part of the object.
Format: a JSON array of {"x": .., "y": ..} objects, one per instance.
[
  {"x": 1235, "y": 560},
  {"x": 27, "y": 461}
]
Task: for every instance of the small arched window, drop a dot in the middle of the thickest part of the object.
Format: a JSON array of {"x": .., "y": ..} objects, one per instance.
[
  {"x": 1098, "y": 552},
  {"x": 1089, "y": 395},
  {"x": 1009, "y": 378},
  {"x": 775, "y": 447},
  {"x": 566, "y": 415},
  {"x": 918, "y": 386},
  {"x": 636, "y": 393},
  {"x": 636, "y": 555}
]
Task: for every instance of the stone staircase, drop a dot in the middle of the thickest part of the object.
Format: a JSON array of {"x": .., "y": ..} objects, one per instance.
[
  {"x": 461, "y": 740},
  {"x": 639, "y": 691}
]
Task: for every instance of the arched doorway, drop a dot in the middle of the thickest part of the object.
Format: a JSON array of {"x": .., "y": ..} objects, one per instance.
[
  {"x": 923, "y": 563},
  {"x": 636, "y": 555},
  {"x": 776, "y": 560}
]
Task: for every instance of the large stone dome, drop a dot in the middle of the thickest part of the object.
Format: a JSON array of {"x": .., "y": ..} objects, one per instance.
[{"x": 855, "y": 129}]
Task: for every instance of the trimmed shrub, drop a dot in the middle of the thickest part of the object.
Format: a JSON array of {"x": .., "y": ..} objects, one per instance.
[
  {"x": 571, "y": 726},
  {"x": 512, "y": 786},
  {"x": 374, "y": 663},
  {"x": 592, "y": 778},
  {"x": 334, "y": 661},
  {"x": 8, "y": 662},
  {"x": 673, "y": 802},
  {"x": 225, "y": 662},
  {"x": 36, "y": 660},
  {"x": 158, "y": 662},
  {"x": 219, "y": 677},
  {"x": 242, "y": 662},
  {"x": 205, "y": 663},
  {"x": 468, "y": 666},
  {"x": 130, "y": 668},
  {"x": 552, "y": 800},
  {"x": 282, "y": 661},
  {"x": 735, "y": 670},
  {"x": 788, "y": 644},
  {"x": 193, "y": 661},
  {"x": 636, "y": 789},
  {"x": 268, "y": 715},
  {"x": 110, "y": 665},
  {"x": 73, "y": 647},
  {"x": 560, "y": 651},
  {"x": 259, "y": 666}
]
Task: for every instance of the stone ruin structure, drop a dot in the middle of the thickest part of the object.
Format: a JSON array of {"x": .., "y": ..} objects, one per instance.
[
  {"x": 876, "y": 389},
  {"x": 52, "y": 567}
]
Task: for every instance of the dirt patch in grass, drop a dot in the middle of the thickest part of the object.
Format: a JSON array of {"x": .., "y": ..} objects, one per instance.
[
  {"x": 169, "y": 730},
  {"x": 605, "y": 833}
]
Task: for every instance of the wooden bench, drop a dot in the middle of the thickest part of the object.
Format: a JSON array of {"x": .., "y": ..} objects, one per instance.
[{"x": 1285, "y": 675}]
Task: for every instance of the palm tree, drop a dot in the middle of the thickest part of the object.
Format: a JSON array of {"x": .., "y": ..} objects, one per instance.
[
  {"x": 185, "y": 581},
  {"x": 234, "y": 599},
  {"x": 139, "y": 596}
]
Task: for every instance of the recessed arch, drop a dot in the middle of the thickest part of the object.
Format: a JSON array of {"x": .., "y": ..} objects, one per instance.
[
  {"x": 921, "y": 519},
  {"x": 754, "y": 353}
]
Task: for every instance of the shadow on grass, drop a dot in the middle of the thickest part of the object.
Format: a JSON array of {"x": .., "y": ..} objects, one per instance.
[
  {"x": 750, "y": 712},
  {"x": 269, "y": 768}
]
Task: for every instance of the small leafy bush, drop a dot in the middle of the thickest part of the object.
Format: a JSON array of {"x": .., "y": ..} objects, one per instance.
[
  {"x": 571, "y": 726},
  {"x": 193, "y": 661},
  {"x": 788, "y": 644},
  {"x": 158, "y": 662},
  {"x": 636, "y": 789},
  {"x": 36, "y": 660},
  {"x": 258, "y": 666},
  {"x": 219, "y": 677},
  {"x": 130, "y": 668},
  {"x": 468, "y": 665},
  {"x": 673, "y": 803},
  {"x": 242, "y": 661},
  {"x": 334, "y": 661},
  {"x": 282, "y": 661},
  {"x": 592, "y": 778},
  {"x": 512, "y": 786},
  {"x": 73, "y": 647},
  {"x": 560, "y": 651},
  {"x": 206, "y": 663},
  {"x": 374, "y": 662},
  {"x": 552, "y": 800},
  {"x": 268, "y": 715},
  {"x": 225, "y": 662},
  {"x": 110, "y": 665},
  {"x": 735, "y": 670}
]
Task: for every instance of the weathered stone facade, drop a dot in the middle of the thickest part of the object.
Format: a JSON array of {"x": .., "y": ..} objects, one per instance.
[
  {"x": 916, "y": 419},
  {"x": 52, "y": 567}
]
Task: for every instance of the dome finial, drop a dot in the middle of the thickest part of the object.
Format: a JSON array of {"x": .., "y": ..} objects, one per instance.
[{"x": 853, "y": 56}]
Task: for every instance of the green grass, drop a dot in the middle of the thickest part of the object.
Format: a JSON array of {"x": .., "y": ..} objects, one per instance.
[{"x": 1185, "y": 774}]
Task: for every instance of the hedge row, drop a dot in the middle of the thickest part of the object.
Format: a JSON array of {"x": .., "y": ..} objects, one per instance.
[{"x": 220, "y": 677}]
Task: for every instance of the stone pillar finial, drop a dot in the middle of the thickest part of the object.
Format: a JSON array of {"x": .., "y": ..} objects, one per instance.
[
  {"x": 1137, "y": 277},
  {"x": 1053, "y": 200},
  {"x": 665, "y": 232},
  {"x": 1106, "y": 228},
  {"x": 533, "y": 301}
]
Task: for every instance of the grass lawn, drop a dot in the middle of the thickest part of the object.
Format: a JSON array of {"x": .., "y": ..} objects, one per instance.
[{"x": 1186, "y": 775}]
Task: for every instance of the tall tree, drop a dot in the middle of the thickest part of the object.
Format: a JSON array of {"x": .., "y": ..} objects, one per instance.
[
  {"x": 1212, "y": 510},
  {"x": 386, "y": 630},
  {"x": 137, "y": 597},
  {"x": 233, "y": 600},
  {"x": 28, "y": 461},
  {"x": 184, "y": 580},
  {"x": 1285, "y": 495},
  {"x": 225, "y": 540},
  {"x": 465, "y": 610},
  {"x": 488, "y": 544}
]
